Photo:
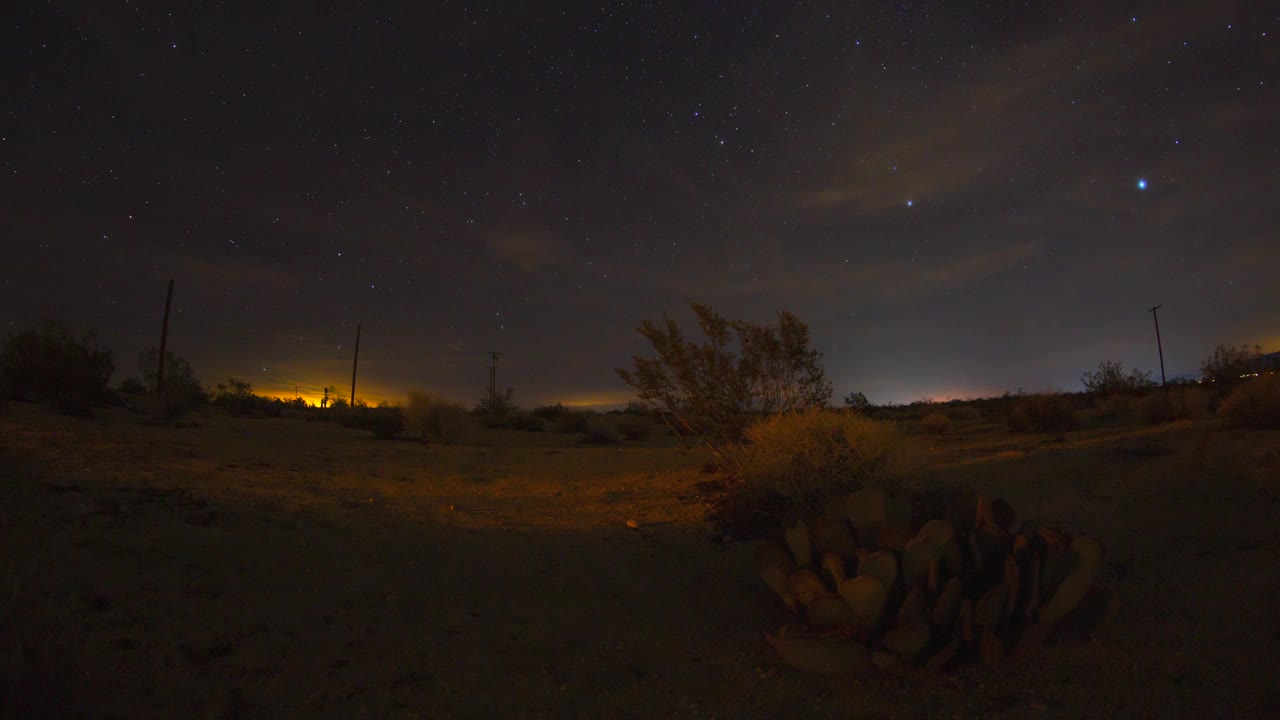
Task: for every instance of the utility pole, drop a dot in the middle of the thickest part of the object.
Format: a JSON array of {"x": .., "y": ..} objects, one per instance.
[
  {"x": 493, "y": 380},
  {"x": 164, "y": 340},
  {"x": 1156, "y": 316},
  {"x": 354, "y": 362}
]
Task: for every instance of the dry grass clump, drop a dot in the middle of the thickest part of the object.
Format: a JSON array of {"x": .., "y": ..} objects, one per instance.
[
  {"x": 1254, "y": 404},
  {"x": 811, "y": 455},
  {"x": 435, "y": 418},
  {"x": 935, "y": 424},
  {"x": 1182, "y": 403},
  {"x": 1043, "y": 412}
]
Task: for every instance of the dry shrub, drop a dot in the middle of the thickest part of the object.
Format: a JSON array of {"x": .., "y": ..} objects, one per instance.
[
  {"x": 435, "y": 418},
  {"x": 1043, "y": 412},
  {"x": 635, "y": 427},
  {"x": 960, "y": 413},
  {"x": 1183, "y": 403},
  {"x": 810, "y": 455},
  {"x": 602, "y": 430},
  {"x": 1254, "y": 403},
  {"x": 935, "y": 423},
  {"x": 1114, "y": 405}
]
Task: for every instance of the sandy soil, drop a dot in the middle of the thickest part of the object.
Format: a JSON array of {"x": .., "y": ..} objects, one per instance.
[{"x": 280, "y": 569}]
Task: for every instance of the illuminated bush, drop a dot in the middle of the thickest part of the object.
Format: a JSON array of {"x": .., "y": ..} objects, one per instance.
[
  {"x": 1111, "y": 378},
  {"x": 936, "y": 423},
  {"x": 1254, "y": 404},
  {"x": 1044, "y": 412},
  {"x": 810, "y": 455},
  {"x": 434, "y": 418}
]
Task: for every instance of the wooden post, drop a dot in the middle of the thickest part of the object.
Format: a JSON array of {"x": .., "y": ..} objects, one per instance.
[
  {"x": 354, "y": 362},
  {"x": 164, "y": 340},
  {"x": 1156, "y": 316}
]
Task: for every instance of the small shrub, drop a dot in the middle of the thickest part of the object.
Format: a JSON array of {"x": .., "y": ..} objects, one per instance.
[
  {"x": 935, "y": 423},
  {"x": 132, "y": 386},
  {"x": 525, "y": 421},
  {"x": 811, "y": 455},
  {"x": 1044, "y": 412},
  {"x": 574, "y": 421},
  {"x": 1254, "y": 404},
  {"x": 435, "y": 418},
  {"x": 635, "y": 427},
  {"x": 602, "y": 430}
]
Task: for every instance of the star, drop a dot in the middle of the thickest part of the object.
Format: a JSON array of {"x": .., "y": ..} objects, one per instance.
[
  {"x": 911, "y": 203},
  {"x": 1142, "y": 183}
]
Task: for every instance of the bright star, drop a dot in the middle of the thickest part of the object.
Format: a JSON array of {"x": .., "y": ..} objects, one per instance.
[
  {"x": 1142, "y": 183},
  {"x": 910, "y": 203}
]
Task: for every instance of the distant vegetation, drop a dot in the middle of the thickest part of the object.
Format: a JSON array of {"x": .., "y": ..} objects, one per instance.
[
  {"x": 1229, "y": 364},
  {"x": 1254, "y": 404}
]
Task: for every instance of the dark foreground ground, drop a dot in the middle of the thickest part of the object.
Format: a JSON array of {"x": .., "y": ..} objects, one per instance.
[{"x": 283, "y": 569}]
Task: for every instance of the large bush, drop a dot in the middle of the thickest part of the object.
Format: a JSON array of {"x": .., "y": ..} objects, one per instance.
[
  {"x": 712, "y": 391},
  {"x": 49, "y": 363},
  {"x": 1044, "y": 412},
  {"x": 1254, "y": 404},
  {"x": 810, "y": 455},
  {"x": 435, "y": 418}
]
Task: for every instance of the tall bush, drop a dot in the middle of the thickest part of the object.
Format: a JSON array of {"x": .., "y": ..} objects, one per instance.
[{"x": 711, "y": 391}]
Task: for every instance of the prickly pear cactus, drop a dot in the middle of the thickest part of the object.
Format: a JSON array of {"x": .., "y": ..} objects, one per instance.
[{"x": 875, "y": 587}]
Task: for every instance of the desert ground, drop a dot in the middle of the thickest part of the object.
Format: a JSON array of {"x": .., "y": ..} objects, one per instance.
[{"x": 275, "y": 568}]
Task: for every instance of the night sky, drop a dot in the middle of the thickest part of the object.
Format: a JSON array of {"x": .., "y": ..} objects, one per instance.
[{"x": 958, "y": 200}]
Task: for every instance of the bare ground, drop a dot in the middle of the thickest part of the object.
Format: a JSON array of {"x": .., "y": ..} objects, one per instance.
[{"x": 277, "y": 569}]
